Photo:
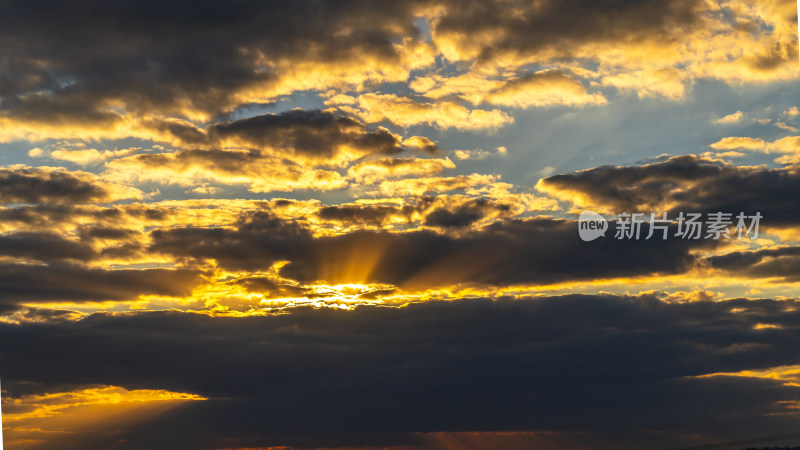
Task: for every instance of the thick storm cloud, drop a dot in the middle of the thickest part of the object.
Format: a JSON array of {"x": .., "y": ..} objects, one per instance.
[
  {"x": 513, "y": 251},
  {"x": 374, "y": 375}
]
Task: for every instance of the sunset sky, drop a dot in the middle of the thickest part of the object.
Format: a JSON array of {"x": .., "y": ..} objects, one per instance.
[{"x": 338, "y": 224}]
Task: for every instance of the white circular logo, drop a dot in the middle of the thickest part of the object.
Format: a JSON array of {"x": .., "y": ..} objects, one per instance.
[{"x": 591, "y": 225}]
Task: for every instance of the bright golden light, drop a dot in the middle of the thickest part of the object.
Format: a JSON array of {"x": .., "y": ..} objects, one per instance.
[{"x": 34, "y": 420}]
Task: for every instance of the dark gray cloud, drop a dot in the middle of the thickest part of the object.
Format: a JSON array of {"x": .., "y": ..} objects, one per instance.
[
  {"x": 93, "y": 232},
  {"x": 308, "y": 133},
  {"x": 781, "y": 263},
  {"x": 363, "y": 214},
  {"x": 460, "y": 218},
  {"x": 44, "y": 246},
  {"x": 563, "y": 26},
  {"x": 465, "y": 214},
  {"x": 323, "y": 377},
  {"x": 63, "y": 281},
  {"x": 51, "y": 215},
  {"x": 295, "y": 149},
  {"x": 514, "y": 251},
  {"x": 441, "y": 212},
  {"x": 89, "y": 61},
  {"x": 687, "y": 184},
  {"x": 311, "y": 134},
  {"x": 35, "y": 185},
  {"x": 196, "y": 54},
  {"x": 65, "y": 64}
]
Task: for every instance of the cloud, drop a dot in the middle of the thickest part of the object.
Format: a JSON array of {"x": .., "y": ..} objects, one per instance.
[
  {"x": 443, "y": 211},
  {"x": 405, "y": 112},
  {"x": 553, "y": 28},
  {"x": 42, "y": 246},
  {"x": 421, "y": 143},
  {"x": 532, "y": 251},
  {"x": 78, "y": 153},
  {"x": 75, "y": 219},
  {"x": 466, "y": 213},
  {"x": 258, "y": 171},
  {"x": 545, "y": 88},
  {"x": 479, "y": 153},
  {"x": 100, "y": 75},
  {"x": 787, "y": 374},
  {"x": 371, "y": 172},
  {"x": 302, "y": 134},
  {"x": 652, "y": 49},
  {"x": 195, "y": 97},
  {"x": 781, "y": 263},
  {"x": 683, "y": 183},
  {"x": 431, "y": 185},
  {"x": 789, "y": 146},
  {"x": 784, "y": 126},
  {"x": 734, "y": 142},
  {"x": 106, "y": 228},
  {"x": 22, "y": 184},
  {"x": 292, "y": 150},
  {"x": 70, "y": 282},
  {"x": 587, "y": 362},
  {"x": 541, "y": 89},
  {"x": 731, "y": 118},
  {"x": 195, "y": 60},
  {"x": 33, "y": 420},
  {"x": 313, "y": 134},
  {"x": 669, "y": 83},
  {"x": 361, "y": 214}
]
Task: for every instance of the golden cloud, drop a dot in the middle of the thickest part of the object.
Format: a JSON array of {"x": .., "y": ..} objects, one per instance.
[
  {"x": 31, "y": 421},
  {"x": 259, "y": 172},
  {"x": 371, "y": 172},
  {"x": 405, "y": 112},
  {"x": 545, "y": 88},
  {"x": 788, "y": 146},
  {"x": 44, "y": 184}
]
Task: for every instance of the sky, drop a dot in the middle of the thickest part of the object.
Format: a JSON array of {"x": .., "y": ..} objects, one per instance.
[{"x": 355, "y": 224}]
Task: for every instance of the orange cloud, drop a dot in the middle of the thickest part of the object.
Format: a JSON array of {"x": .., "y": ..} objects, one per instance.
[
  {"x": 43, "y": 184},
  {"x": 420, "y": 186},
  {"x": 789, "y": 146},
  {"x": 544, "y": 88},
  {"x": 371, "y": 172},
  {"x": 731, "y": 118},
  {"x": 406, "y": 112},
  {"x": 788, "y": 375},
  {"x": 88, "y": 414}
]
